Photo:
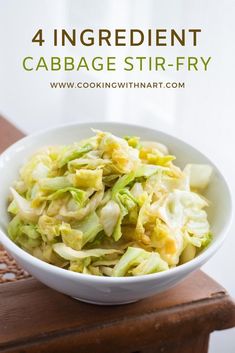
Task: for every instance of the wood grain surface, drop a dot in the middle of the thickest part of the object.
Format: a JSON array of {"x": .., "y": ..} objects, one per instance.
[
  {"x": 8, "y": 134},
  {"x": 34, "y": 318}
]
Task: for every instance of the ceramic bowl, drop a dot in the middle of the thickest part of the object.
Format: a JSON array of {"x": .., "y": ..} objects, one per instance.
[{"x": 108, "y": 290}]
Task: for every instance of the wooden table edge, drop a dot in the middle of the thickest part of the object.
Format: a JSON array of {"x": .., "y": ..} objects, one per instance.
[
  {"x": 220, "y": 315},
  {"x": 221, "y": 311}
]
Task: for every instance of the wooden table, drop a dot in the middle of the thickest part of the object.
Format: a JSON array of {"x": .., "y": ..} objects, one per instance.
[{"x": 34, "y": 318}]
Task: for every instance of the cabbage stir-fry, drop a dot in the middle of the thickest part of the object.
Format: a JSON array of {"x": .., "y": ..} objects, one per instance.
[{"x": 110, "y": 206}]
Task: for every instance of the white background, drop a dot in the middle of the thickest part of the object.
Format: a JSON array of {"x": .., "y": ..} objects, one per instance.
[{"x": 202, "y": 113}]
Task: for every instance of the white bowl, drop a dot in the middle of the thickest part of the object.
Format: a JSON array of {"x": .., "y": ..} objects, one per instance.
[{"x": 108, "y": 290}]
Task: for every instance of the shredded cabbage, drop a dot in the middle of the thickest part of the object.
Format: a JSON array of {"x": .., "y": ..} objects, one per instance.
[{"x": 110, "y": 206}]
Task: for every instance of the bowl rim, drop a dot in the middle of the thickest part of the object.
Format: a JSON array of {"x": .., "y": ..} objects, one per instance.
[{"x": 187, "y": 267}]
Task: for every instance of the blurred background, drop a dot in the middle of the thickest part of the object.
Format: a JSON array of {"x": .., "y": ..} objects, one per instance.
[{"x": 201, "y": 114}]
